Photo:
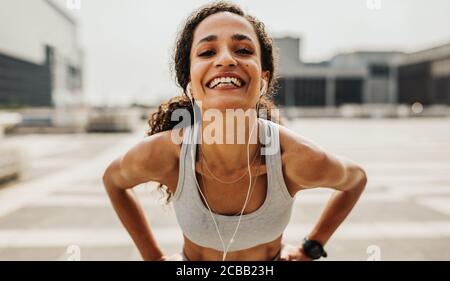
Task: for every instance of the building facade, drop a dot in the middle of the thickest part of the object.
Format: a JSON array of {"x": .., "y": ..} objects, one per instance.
[
  {"x": 364, "y": 77},
  {"x": 40, "y": 59},
  {"x": 424, "y": 77}
]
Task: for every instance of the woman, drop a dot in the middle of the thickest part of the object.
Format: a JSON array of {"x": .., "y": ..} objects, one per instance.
[{"x": 237, "y": 203}]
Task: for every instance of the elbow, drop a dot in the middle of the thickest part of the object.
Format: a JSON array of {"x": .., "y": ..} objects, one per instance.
[
  {"x": 362, "y": 179},
  {"x": 107, "y": 177},
  {"x": 113, "y": 180}
]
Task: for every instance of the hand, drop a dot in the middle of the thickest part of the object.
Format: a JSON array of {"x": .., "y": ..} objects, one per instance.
[
  {"x": 162, "y": 258},
  {"x": 292, "y": 253},
  {"x": 174, "y": 257}
]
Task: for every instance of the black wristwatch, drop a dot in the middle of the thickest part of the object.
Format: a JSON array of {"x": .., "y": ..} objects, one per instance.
[{"x": 313, "y": 249}]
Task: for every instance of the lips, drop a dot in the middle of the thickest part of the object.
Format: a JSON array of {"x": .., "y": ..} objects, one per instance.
[{"x": 226, "y": 81}]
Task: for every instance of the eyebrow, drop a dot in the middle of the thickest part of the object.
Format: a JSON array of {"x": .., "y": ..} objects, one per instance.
[{"x": 234, "y": 37}]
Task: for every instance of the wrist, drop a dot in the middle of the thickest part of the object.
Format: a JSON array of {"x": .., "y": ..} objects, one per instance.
[
  {"x": 313, "y": 248},
  {"x": 154, "y": 255},
  {"x": 318, "y": 237}
]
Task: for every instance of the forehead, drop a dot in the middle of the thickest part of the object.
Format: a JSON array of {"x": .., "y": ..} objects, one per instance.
[{"x": 224, "y": 24}]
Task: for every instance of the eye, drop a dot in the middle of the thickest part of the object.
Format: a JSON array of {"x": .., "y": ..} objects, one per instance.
[
  {"x": 244, "y": 51},
  {"x": 206, "y": 53}
]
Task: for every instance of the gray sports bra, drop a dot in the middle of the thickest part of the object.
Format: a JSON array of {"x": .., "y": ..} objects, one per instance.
[{"x": 261, "y": 226}]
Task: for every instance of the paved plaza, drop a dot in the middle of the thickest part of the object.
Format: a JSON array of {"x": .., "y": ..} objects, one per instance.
[{"x": 58, "y": 210}]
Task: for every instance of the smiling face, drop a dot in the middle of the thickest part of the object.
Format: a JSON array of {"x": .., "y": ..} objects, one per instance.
[{"x": 225, "y": 63}]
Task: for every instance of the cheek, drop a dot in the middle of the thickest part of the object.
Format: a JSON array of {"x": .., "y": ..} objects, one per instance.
[
  {"x": 251, "y": 66},
  {"x": 198, "y": 70}
]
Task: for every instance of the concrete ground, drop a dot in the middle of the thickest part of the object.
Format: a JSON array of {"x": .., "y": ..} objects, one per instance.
[{"x": 59, "y": 210}]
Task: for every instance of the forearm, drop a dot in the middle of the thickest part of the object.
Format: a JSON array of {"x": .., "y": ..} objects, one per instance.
[
  {"x": 335, "y": 212},
  {"x": 133, "y": 218}
]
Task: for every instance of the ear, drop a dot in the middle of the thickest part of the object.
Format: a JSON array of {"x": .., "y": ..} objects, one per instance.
[
  {"x": 189, "y": 90},
  {"x": 265, "y": 77}
]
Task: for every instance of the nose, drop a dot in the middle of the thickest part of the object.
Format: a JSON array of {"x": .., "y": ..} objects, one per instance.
[{"x": 225, "y": 59}]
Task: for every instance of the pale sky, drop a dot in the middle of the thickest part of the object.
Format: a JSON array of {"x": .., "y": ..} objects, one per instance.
[{"x": 128, "y": 44}]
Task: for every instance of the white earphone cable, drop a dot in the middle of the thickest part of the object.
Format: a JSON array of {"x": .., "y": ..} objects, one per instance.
[{"x": 225, "y": 249}]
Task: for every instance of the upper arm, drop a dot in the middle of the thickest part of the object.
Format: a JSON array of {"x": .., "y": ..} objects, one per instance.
[
  {"x": 148, "y": 160},
  {"x": 338, "y": 172},
  {"x": 307, "y": 165}
]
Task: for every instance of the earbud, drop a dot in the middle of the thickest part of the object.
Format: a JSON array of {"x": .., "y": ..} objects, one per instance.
[
  {"x": 189, "y": 91},
  {"x": 263, "y": 88}
]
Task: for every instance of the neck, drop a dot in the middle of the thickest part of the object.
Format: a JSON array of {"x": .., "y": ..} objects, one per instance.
[{"x": 224, "y": 146}]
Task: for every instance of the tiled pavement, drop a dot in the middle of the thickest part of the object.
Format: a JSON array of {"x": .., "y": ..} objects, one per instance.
[{"x": 60, "y": 211}]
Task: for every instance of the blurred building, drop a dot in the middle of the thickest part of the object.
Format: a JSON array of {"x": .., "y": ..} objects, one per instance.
[
  {"x": 364, "y": 77},
  {"x": 425, "y": 77},
  {"x": 40, "y": 62}
]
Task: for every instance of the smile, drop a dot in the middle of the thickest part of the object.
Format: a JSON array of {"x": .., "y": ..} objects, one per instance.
[{"x": 225, "y": 82}]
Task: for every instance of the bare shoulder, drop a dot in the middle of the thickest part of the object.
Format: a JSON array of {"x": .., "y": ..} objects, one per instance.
[
  {"x": 152, "y": 159},
  {"x": 308, "y": 165},
  {"x": 302, "y": 159},
  {"x": 160, "y": 153}
]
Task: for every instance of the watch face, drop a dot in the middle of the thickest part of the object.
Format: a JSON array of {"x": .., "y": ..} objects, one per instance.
[
  {"x": 316, "y": 252},
  {"x": 312, "y": 249}
]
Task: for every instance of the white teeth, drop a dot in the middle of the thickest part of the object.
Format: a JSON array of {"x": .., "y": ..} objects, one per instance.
[{"x": 225, "y": 80}]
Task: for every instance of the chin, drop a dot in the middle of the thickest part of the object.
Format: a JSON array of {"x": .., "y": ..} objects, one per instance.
[{"x": 223, "y": 103}]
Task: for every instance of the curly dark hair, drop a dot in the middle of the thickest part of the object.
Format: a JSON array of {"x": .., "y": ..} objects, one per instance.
[{"x": 160, "y": 120}]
